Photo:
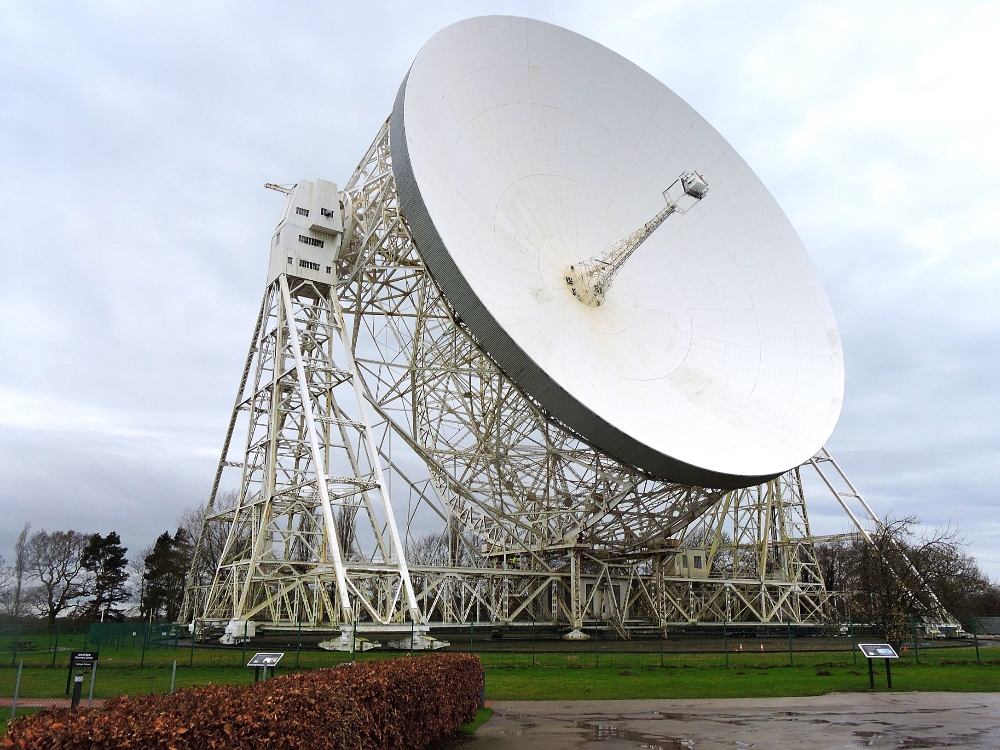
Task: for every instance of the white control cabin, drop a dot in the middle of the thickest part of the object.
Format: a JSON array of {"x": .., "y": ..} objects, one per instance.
[{"x": 307, "y": 239}]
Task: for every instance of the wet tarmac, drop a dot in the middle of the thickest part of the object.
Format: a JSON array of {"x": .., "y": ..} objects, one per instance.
[{"x": 843, "y": 720}]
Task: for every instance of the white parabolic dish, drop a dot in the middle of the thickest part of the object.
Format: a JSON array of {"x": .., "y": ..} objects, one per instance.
[{"x": 520, "y": 148}]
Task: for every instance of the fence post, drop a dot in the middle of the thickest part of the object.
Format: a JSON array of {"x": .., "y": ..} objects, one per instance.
[
  {"x": 17, "y": 688},
  {"x": 916, "y": 647},
  {"x": 725, "y": 640},
  {"x": 55, "y": 649},
  {"x": 145, "y": 637},
  {"x": 17, "y": 642},
  {"x": 412, "y": 628},
  {"x": 173, "y": 677},
  {"x": 93, "y": 677},
  {"x": 243, "y": 653},
  {"x": 597, "y": 650},
  {"x": 472, "y": 645},
  {"x": 854, "y": 646},
  {"x": 298, "y": 645},
  {"x": 975, "y": 635},
  {"x": 194, "y": 636},
  {"x": 354, "y": 641},
  {"x": 791, "y": 655},
  {"x": 661, "y": 647},
  {"x": 532, "y": 641}
]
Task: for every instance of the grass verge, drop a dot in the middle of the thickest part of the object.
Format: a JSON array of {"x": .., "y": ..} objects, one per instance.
[{"x": 482, "y": 716}]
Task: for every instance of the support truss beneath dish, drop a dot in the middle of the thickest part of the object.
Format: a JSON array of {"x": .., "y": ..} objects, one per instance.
[{"x": 372, "y": 389}]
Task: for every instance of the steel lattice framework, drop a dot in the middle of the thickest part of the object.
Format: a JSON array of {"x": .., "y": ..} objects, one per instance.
[
  {"x": 538, "y": 525},
  {"x": 280, "y": 561}
]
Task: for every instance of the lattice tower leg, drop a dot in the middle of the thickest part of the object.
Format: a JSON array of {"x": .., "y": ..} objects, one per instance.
[{"x": 312, "y": 535}]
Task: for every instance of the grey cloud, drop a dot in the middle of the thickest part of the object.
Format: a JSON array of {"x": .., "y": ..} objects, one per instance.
[{"x": 134, "y": 141}]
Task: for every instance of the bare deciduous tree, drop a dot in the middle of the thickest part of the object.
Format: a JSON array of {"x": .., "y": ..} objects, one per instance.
[
  {"x": 449, "y": 547},
  {"x": 19, "y": 569},
  {"x": 55, "y": 561},
  {"x": 892, "y": 577},
  {"x": 6, "y": 585},
  {"x": 136, "y": 571},
  {"x": 213, "y": 538}
]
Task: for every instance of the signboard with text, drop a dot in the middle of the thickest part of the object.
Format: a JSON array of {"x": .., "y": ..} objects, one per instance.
[
  {"x": 80, "y": 660},
  {"x": 264, "y": 660},
  {"x": 878, "y": 651}
]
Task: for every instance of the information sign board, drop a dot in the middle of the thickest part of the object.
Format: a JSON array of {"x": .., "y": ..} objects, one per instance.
[
  {"x": 882, "y": 651},
  {"x": 78, "y": 660},
  {"x": 264, "y": 660},
  {"x": 878, "y": 651},
  {"x": 83, "y": 658}
]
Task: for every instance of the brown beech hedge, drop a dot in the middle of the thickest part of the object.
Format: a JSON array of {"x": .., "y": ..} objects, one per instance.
[{"x": 397, "y": 703}]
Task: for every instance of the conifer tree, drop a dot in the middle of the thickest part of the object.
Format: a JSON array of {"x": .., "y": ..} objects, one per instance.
[
  {"x": 166, "y": 568},
  {"x": 104, "y": 557}
]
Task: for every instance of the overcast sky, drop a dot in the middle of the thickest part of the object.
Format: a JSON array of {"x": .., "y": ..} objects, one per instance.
[{"x": 135, "y": 138}]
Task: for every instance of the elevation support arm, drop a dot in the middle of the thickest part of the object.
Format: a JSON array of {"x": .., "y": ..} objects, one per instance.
[
  {"x": 317, "y": 454},
  {"x": 373, "y": 452}
]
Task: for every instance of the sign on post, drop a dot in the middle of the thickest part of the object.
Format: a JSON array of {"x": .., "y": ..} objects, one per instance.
[
  {"x": 77, "y": 660},
  {"x": 264, "y": 660},
  {"x": 883, "y": 651},
  {"x": 878, "y": 651}
]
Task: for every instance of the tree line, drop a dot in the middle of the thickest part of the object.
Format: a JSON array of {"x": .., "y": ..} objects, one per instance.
[
  {"x": 902, "y": 572},
  {"x": 91, "y": 577}
]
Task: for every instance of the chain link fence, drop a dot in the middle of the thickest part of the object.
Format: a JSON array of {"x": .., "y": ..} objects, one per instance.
[{"x": 131, "y": 658}]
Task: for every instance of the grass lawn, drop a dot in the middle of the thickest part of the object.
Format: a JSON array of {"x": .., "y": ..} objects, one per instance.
[
  {"x": 555, "y": 675},
  {"x": 546, "y": 683}
]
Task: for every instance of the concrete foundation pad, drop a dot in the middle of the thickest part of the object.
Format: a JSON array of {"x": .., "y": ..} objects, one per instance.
[{"x": 840, "y": 720}]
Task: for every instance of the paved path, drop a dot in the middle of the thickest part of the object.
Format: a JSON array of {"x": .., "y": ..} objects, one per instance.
[
  {"x": 843, "y": 720},
  {"x": 46, "y": 702}
]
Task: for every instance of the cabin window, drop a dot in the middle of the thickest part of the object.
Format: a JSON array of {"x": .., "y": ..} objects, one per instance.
[{"x": 310, "y": 241}]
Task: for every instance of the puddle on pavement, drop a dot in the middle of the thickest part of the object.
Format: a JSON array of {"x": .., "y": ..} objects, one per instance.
[
  {"x": 600, "y": 732},
  {"x": 738, "y": 721},
  {"x": 884, "y": 740},
  {"x": 517, "y": 731}
]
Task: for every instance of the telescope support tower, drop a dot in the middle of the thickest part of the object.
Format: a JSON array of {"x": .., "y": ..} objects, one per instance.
[
  {"x": 311, "y": 536},
  {"x": 538, "y": 526}
]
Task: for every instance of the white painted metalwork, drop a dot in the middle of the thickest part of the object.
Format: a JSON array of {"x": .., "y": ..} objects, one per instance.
[
  {"x": 520, "y": 148},
  {"x": 590, "y": 280},
  {"x": 537, "y": 524},
  {"x": 296, "y": 548},
  {"x": 902, "y": 567},
  {"x": 371, "y": 361}
]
